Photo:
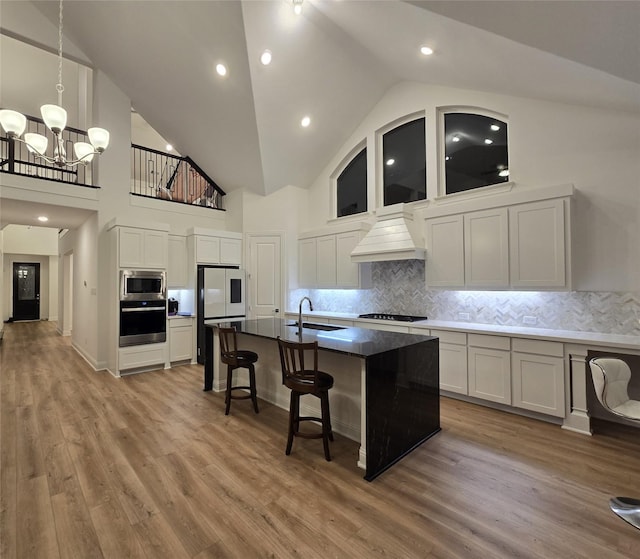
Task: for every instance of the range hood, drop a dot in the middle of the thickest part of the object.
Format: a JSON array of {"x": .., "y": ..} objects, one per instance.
[{"x": 392, "y": 237}]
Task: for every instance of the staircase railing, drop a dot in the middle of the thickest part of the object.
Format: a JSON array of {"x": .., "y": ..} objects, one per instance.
[
  {"x": 156, "y": 174},
  {"x": 16, "y": 159}
]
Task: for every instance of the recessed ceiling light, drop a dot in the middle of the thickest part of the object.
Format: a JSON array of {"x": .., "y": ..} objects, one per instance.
[
  {"x": 504, "y": 173},
  {"x": 43, "y": 218},
  {"x": 265, "y": 57},
  {"x": 391, "y": 161},
  {"x": 455, "y": 139},
  {"x": 488, "y": 141},
  {"x": 306, "y": 121},
  {"x": 495, "y": 127},
  {"x": 169, "y": 147},
  {"x": 297, "y": 7},
  {"x": 427, "y": 51},
  {"x": 221, "y": 69}
]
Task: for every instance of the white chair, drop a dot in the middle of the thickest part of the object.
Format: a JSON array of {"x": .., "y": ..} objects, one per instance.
[{"x": 610, "y": 379}]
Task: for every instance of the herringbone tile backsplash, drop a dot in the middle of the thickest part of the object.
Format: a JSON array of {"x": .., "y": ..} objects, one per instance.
[{"x": 399, "y": 287}]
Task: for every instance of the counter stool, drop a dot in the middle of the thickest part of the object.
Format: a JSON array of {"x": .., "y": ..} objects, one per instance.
[
  {"x": 610, "y": 379},
  {"x": 236, "y": 359},
  {"x": 304, "y": 379}
]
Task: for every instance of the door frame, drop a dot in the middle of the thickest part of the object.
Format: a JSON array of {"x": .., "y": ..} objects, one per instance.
[{"x": 14, "y": 294}]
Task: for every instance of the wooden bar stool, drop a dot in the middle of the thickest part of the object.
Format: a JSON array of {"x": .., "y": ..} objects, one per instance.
[
  {"x": 236, "y": 359},
  {"x": 304, "y": 379}
]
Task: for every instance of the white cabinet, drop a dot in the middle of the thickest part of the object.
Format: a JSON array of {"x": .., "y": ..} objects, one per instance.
[
  {"x": 445, "y": 251},
  {"x": 537, "y": 244},
  {"x": 538, "y": 376},
  {"x": 486, "y": 254},
  {"x": 142, "y": 248},
  {"x": 509, "y": 246},
  {"x": 207, "y": 250},
  {"x": 324, "y": 260},
  {"x": 180, "y": 339},
  {"x": 177, "y": 264},
  {"x": 453, "y": 361},
  {"x": 470, "y": 250},
  {"x": 307, "y": 262},
  {"x": 145, "y": 357},
  {"x": 490, "y": 368},
  {"x": 230, "y": 251},
  {"x": 218, "y": 249}
]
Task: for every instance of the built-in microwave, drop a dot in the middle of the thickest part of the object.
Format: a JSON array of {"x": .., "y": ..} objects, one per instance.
[{"x": 142, "y": 285}]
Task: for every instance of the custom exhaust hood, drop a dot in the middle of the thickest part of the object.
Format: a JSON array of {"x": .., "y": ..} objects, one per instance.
[{"x": 392, "y": 237}]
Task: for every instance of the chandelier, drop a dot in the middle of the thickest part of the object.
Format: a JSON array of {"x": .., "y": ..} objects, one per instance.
[{"x": 55, "y": 117}]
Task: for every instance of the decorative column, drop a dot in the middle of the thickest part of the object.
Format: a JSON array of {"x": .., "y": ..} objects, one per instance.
[{"x": 578, "y": 419}]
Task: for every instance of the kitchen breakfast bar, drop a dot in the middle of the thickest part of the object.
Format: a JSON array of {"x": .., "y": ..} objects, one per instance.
[{"x": 386, "y": 391}]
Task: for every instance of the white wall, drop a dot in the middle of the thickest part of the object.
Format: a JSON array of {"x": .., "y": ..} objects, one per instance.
[
  {"x": 596, "y": 150},
  {"x": 25, "y": 239}
]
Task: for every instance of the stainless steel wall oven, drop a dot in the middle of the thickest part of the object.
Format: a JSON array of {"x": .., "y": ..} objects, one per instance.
[{"x": 143, "y": 307}]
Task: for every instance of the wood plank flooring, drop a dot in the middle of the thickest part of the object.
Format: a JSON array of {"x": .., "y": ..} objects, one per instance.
[{"x": 149, "y": 466}]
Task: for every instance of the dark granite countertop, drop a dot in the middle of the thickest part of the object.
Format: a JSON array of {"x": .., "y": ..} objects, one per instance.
[{"x": 360, "y": 342}]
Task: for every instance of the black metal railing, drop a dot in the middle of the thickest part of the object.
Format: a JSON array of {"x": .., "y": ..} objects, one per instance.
[
  {"x": 155, "y": 174},
  {"x": 15, "y": 158}
]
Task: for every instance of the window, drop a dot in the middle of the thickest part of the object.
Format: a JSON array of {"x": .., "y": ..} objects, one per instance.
[
  {"x": 475, "y": 150},
  {"x": 352, "y": 186},
  {"x": 404, "y": 163}
]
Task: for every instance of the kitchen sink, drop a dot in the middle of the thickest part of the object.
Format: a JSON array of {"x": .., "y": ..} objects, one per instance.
[{"x": 312, "y": 326}]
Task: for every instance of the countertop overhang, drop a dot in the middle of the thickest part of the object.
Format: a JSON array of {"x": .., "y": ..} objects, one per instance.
[{"x": 360, "y": 342}]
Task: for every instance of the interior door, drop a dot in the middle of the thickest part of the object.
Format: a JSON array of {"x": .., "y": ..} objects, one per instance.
[
  {"x": 26, "y": 291},
  {"x": 265, "y": 287}
]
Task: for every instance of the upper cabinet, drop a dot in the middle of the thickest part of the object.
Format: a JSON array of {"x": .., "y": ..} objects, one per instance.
[
  {"x": 177, "y": 265},
  {"x": 216, "y": 247},
  {"x": 141, "y": 248},
  {"x": 511, "y": 246},
  {"x": 324, "y": 260}
]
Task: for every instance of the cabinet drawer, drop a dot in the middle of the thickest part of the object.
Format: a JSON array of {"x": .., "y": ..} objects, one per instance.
[
  {"x": 446, "y": 337},
  {"x": 492, "y": 342},
  {"x": 539, "y": 347},
  {"x": 180, "y": 322}
]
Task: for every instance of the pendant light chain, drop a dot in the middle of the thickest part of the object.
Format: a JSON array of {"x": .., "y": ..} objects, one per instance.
[{"x": 59, "y": 86}]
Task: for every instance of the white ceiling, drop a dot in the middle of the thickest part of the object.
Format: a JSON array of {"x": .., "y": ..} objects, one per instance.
[{"x": 334, "y": 63}]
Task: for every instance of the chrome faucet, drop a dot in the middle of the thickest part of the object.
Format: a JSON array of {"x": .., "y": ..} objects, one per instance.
[{"x": 300, "y": 313}]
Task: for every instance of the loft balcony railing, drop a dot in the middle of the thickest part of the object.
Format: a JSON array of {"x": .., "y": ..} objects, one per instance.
[
  {"x": 15, "y": 158},
  {"x": 156, "y": 174}
]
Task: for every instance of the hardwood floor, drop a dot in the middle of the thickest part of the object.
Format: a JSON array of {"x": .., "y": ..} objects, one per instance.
[{"x": 149, "y": 466}]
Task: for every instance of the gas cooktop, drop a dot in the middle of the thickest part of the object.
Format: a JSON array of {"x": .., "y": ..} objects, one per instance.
[{"x": 398, "y": 317}]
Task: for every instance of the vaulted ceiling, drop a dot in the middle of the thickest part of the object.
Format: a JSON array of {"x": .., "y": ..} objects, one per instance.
[{"x": 334, "y": 63}]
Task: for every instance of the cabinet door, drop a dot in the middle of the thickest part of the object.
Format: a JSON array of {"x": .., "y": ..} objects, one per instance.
[
  {"x": 181, "y": 342},
  {"x": 231, "y": 251},
  {"x": 445, "y": 252},
  {"x": 307, "y": 262},
  {"x": 207, "y": 250},
  {"x": 538, "y": 383},
  {"x": 177, "y": 265},
  {"x": 347, "y": 272},
  {"x": 486, "y": 249},
  {"x": 326, "y": 261},
  {"x": 453, "y": 368},
  {"x": 131, "y": 247},
  {"x": 490, "y": 374},
  {"x": 155, "y": 249},
  {"x": 537, "y": 244}
]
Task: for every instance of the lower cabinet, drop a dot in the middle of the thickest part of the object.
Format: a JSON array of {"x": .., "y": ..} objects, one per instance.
[
  {"x": 453, "y": 361},
  {"x": 538, "y": 376},
  {"x": 490, "y": 368},
  {"x": 180, "y": 339}
]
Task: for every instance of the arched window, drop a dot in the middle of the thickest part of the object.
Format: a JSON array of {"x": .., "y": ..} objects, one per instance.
[
  {"x": 475, "y": 151},
  {"x": 351, "y": 186},
  {"x": 404, "y": 163}
]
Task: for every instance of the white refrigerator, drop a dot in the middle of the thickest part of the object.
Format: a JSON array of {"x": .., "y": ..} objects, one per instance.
[{"x": 221, "y": 295}]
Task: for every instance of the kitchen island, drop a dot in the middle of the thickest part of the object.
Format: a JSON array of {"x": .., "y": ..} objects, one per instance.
[{"x": 386, "y": 391}]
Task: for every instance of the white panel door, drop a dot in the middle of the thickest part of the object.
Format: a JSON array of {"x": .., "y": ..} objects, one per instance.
[
  {"x": 326, "y": 261},
  {"x": 307, "y": 252},
  {"x": 490, "y": 374},
  {"x": 347, "y": 272},
  {"x": 453, "y": 368},
  {"x": 538, "y": 383},
  {"x": 264, "y": 276}
]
